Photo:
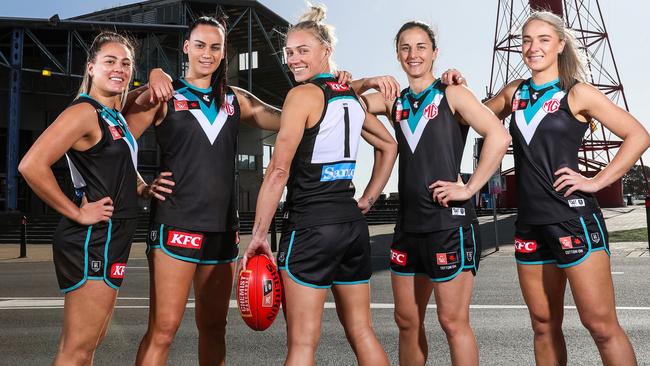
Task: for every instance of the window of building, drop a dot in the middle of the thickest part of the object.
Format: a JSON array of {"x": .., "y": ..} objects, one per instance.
[
  {"x": 246, "y": 162},
  {"x": 243, "y": 61}
]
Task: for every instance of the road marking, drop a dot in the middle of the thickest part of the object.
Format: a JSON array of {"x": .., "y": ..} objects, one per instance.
[
  {"x": 617, "y": 273},
  {"x": 33, "y": 303}
]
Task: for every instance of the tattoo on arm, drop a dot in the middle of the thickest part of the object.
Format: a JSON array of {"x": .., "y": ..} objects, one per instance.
[{"x": 271, "y": 110}]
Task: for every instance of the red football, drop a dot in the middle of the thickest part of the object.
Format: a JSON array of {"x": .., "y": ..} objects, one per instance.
[{"x": 259, "y": 292}]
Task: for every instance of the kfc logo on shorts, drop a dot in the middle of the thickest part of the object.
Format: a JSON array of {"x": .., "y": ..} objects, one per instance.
[
  {"x": 117, "y": 270},
  {"x": 525, "y": 246},
  {"x": 338, "y": 87},
  {"x": 184, "y": 240},
  {"x": 398, "y": 257},
  {"x": 229, "y": 108},
  {"x": 431, "y": 111},
  {"x": 115, "y": 132},
  {"x": 551, "y": 106},
  {"x": 180, "y": 105},
  {"x": 446, "y": 258}
]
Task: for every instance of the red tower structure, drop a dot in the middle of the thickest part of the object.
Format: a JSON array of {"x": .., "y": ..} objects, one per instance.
[{"x": 585, "y": 18}]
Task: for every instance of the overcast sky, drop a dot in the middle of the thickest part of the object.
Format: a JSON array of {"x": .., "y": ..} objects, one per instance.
[{"x": 465, "y": 30}]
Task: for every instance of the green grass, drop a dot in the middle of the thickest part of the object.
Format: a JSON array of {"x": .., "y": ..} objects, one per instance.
[{"x": 629, "y": 235}]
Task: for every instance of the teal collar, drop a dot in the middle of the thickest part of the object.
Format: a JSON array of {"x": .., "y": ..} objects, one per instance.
[
  {"x": 418, "y": 95},
  {"x": 539, "y": 87},
  {"x": 200, "y": 90},
  {"x": 323, "y": 75}
]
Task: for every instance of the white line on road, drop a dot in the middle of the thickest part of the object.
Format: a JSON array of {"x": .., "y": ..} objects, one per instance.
[
  {"x": 32, "y": 303},
  {"x": 617, "y": 273}
]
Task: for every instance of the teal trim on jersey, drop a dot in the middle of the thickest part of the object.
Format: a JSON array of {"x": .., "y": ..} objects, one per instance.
[
  {"x": 114, "y": 116},
  {"x": 323, "y": 75},
  {"x": 95, "y": 278},
  {"x": 418, "y": 95},
  {"x": 200, "y": 90},
  {"x": 539, "y": 87},
  {"x": 286, "y": 265},
  {"x": 65, "y": 290},
  {"x": 407, "y": 274},
  {"x": 210, "y": 112},
  {"x": 414, "y": 118},
  {"x": 108, "y": 242},
  {"x": 127, "y": 133},
  {"x": 550, "y": 261},
  {"x": 342, "y": 97},
  {"x": 187, "y": 259},
  {"x": 532, "y": 109},
  {"x": 462, "y": 259},
  {"x": 602, "y": 235},
  {"x": 584, "y": 229}
]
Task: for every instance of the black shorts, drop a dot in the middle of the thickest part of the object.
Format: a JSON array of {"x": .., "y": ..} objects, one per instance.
[
  {"x": 566, "y": 243},
  {"x": 194, "y": 246},
  {"x": 326, "y": 255},
  {"x": 95, "y": 252},
  {"x": 441, "y": 255}
]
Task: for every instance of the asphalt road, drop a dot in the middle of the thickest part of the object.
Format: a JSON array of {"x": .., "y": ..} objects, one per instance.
[{"x": 31, "y": 314}]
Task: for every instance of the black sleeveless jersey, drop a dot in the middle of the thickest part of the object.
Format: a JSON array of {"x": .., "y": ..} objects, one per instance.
[
  {"x": 320, "y": 189},
  {"x": 107, "y": 169},
  {"x": 198, "y": 143},
  {"x": 430, "y": 145},
  {"x": 546, "y": 137}
]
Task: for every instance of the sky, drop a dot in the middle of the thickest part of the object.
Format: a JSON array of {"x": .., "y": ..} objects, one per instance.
[{"x": 465, "y": 33}]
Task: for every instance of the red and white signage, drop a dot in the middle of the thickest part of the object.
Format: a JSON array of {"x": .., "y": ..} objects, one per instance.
[
  {"x": 180, "y": 105},
  {"x": 115, "y": 132},
  {"x": 525, "y": 246},
  {"x": 184, "y": 240},
  {"x": 551, "y": 106},
  {"x": 117, "y": 270},
  {"x": 338, "y": 87},
  {"x": 398, "y": 257},
  {"x": 431, "y": 111}
]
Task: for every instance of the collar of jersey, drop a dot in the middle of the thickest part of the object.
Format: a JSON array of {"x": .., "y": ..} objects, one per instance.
[
  {"x": 418, "y": 95},
  {"x": 115, "y": 117},
  {"x": 540, "y": 87},
  {"x": 414, "y": 118},
  {"x": 531, "y": 110},
  {"x": 200, "y": 90},
  {"x": 323, "y": 75}
]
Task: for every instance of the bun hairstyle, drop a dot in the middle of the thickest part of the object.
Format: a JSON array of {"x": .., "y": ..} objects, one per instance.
[
  {"x": 571, "y": 64},
  {"x": 100, "y": 40},
  {"x": 312, "y": 21},
  {"x": 219, "y": 78}
]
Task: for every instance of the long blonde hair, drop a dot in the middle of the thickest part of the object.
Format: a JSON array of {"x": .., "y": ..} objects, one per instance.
[
  {"x": 571, "y": 64},
  {"x": 99, "y": 41},
  {"x": 312, "y": 21}
]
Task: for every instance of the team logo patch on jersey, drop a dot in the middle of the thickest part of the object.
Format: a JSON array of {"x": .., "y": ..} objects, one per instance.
[
  {"x": 398, "y": 257},
  {"x": 430, "y": 111},
  {"x": 458, "y": 211},
  {"x": 446, "y": 258},
  {"x": 117, "y": 270},
  {"x": 525, "y": 246},
  {"x": 577, "y": 202},
  {"x": 469, "y": 256},
  {"x": 184, "y": 240},
  {"x": 338, "y": 87},
  {"x": 337, "y": 172},
  {"x": 551, "y": 106},
  {"x": 229, "y": 108},
  {"x": 95, "y": 266},
  {"x": 180, "y": 105},
  {"x": 115, "y": 132}
]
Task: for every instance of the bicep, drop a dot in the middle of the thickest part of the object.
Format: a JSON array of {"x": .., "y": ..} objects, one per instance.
[
  {"x": 615, "y": 118},
  {"x": 374, "y": 132},
  {"x": 294, "y": 117},
  {"x": 143, "y": 113},
  {"x": 477, "y": 115},
  {"x": 376, "y": 104},
  {"x": 257, "y": 113}
]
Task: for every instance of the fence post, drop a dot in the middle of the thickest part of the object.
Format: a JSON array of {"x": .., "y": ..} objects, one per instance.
[{"x": 23, "y": 237}]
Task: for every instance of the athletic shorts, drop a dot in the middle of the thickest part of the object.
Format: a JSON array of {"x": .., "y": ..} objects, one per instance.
[
  {"x": 326, "y": 255},
  {"x": 95, "y": 252},
  {"x": 199, "y": 247},
  {"x": 441, "y": 255},
  {"x": 565, "y": 244}
]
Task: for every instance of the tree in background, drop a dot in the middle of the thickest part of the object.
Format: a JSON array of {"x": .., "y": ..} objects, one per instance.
[{"x": 633, "y": 182}]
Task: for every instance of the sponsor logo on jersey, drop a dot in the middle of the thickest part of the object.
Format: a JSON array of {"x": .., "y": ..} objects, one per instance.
[
  {"x": 519, "y": 104},
  {"x": 180, "y": 105},
  {"x": 595, "y": 237},
  {"x": 551, "y": 106},
  {"x": 446, "y": 258},
  {"x": 95, "y": 266},
  {"x": 577, "y": 202},
  {"x": 398, "y": 257},
  {"x": 458, "y": 211},
  {"x": 184, "y": 240},
  {"x": 337, "y": 172},
  {"x": 117, "y": 270},
  {"x": 193, "y": 105},
  {"x": 115, "y": 132},
  {"x": 525, "y": 246},
  {"x": 430, "y": 111},
  {"x": 267, "y": 293},
  {"x": 405, "y": 115},
  {"x": 229, "y": 108},
  {"x": 338, "y": 87},
  {"x": 398, "y": 110}
]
